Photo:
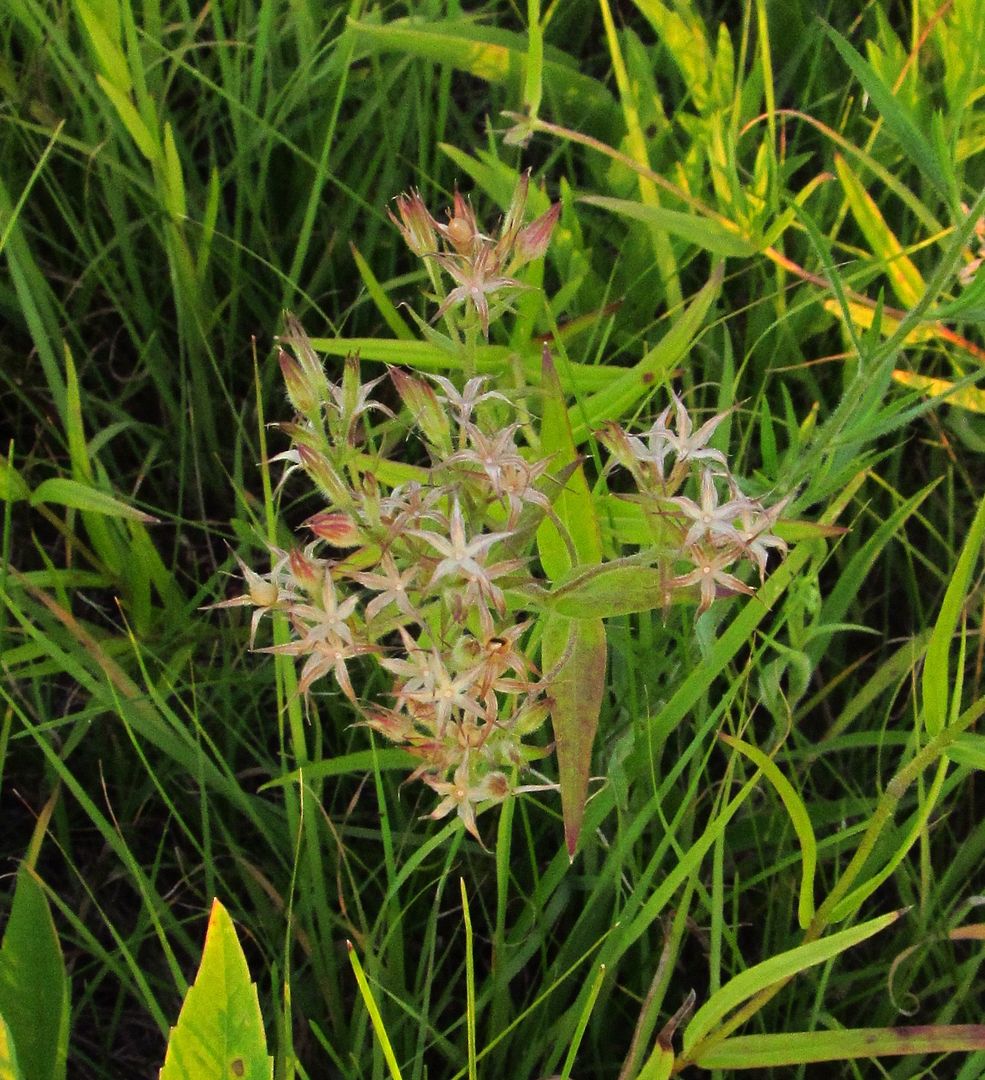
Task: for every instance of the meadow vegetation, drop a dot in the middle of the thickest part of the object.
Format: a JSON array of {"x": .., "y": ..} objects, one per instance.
[{"x": 491, "y": 539}]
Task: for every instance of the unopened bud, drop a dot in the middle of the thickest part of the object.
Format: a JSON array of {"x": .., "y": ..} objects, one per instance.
[
  {"x": 299, "y": 388},
  {"x": 320, "y": 469},
  {"x": 423, "y": 404},
  {"x": 304, "y": 571},
  {"x": 532, "y": 242},
  {"x": 415, "y": 223},
  {"x": 340, "y": 530}
]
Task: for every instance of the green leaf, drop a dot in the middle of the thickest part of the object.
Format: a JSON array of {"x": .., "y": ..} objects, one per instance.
[
  {"x": 219, "y": 1033},
  {"x": 777, "y": 969},
  {"x": 174, "y": 187},
  {"x": 610, "y": 591},
  {"x": 907, "y": 282},
  {"x": 360, "y": 761},
  {"x": 968, "y": 749},
  {"x": 9, "y": 1069},
  {"x": 897, "y": 118},
  {"x": 34, "y": 998},
  {"x": 109, "y": 55},
  {"x": 936, "y": 683},
  {"x": 799, "y": 818},
  {"x": 701, "y": 231},
  {"x": 802, "y": 1047},
  {"x": 79, "y": 496},
  {"x": 573, "y": 654},
  {"x": 13, "y": 487},
  {"x": 631, "y": 386},
  {"x": 374, "y": 1013},
  {"x": 488, "y": 53},
  {"x": 574, "y": 506},
  {"x": 491, "y": 359},
  {"x": 132, "y": 120}
]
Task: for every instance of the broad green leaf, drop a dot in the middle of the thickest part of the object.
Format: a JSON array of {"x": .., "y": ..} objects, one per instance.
[
  {"x": 936, "y": 682},
  {"x": 13, "y": 487},
  {"x": 219, "y": 1033},
  {"x": 34, "y": 999},
  {"x": 629, "y": 387},
  {"x": 905, "y": 278},
  {"x": 843, "y": 1044},
  {"x": 968, "y": 749},
  {"x": 79, "y": 496},
  {"x": 9, "y": 1069},
  {"x": 777, "y": 969},
  {"x": 799, "y": 818},
  {"x": 610, "y": 591},
  {"x": 964, "y": 397},
  {"x": 701, "y": 231},
  {"x": 573, "y": 656},
  {"x": 574, "y": 506}
]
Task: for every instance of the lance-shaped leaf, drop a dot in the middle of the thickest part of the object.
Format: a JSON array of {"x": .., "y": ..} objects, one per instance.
[
  {"x": 606, "y": 591},
  {"x": 33, "y": 985},
  {"x": 802, "y": 1047},
  {"x": 776, "y": 969},
  {"x": 9, "y": 1069},
  {"x": 219, "y": 1031},
  {"x": 573, "y": 653},
  {"x": 574, "y": 507}
]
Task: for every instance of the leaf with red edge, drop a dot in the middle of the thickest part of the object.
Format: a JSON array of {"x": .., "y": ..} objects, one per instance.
[{"x": 573, "y": 653}]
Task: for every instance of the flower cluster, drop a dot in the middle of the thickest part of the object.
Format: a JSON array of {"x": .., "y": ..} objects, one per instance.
[
  {"x": 479, "y": 265},
  {"x": 422, "y": 573},
  {"x": 710, "y": 534},
  {"x": 426, "y": 570}
]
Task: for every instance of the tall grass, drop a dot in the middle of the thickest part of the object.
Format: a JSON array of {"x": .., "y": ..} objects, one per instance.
[{"x": 764, "y": 214}]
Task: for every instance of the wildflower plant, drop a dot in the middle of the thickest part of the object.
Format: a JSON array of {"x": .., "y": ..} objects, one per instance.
[{"x": 443, "y": 568}]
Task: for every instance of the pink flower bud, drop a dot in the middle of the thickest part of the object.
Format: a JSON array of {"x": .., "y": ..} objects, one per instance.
[
  {"x": 304, "y": 571},
  {"x": 532, "y": 242},
  {"x": 340, "y": 530},
  {"x": 415, "y": 223}
]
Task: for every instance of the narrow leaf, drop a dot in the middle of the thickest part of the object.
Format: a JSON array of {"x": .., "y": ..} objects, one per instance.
[
  {"x": 936, "y": 683},
  {"x": 803, "y": 1047},
  {"x": 964, "y": 397},
  {"x": 79, "y": 496},
  {"x": 630, "y": 387},
  {"x": 220, "y": 1030},
  {"x": 776, "y": 969},
  {"x": 897, "y": 119},
  {"x": 704, "y": 232},
  {"x": 799, "y": 818},
  {"x": 574, "y": 507},
  {"x": 906, "y": 280}
]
